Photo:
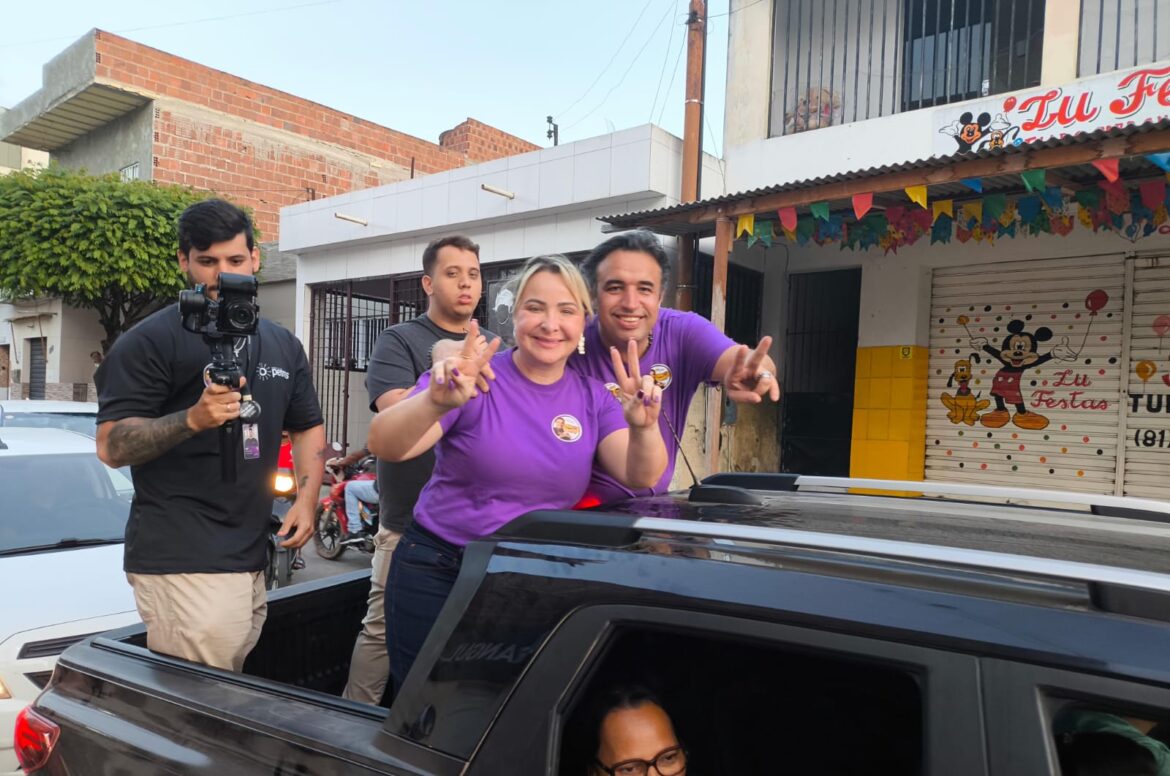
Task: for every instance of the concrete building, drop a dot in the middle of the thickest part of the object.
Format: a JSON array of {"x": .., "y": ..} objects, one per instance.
[
  {"x": 108, "y": 104},
  {"x": 930, "y": 186},
  {"x": 359, "y": 254}
]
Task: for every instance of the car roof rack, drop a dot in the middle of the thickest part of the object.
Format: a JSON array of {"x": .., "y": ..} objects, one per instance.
[
  {"x": 715, "y": 488},
  {"x": 1111, "y": 588}
]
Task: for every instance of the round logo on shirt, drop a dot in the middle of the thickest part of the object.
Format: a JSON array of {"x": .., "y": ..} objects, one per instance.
[
  {"x": 566, "y": 428},
  {"x": 615, "y": 389},
  {"x": 662, "y": 376}
]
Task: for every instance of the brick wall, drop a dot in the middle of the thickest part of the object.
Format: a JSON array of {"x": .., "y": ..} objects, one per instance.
[
  {"x": 480, "y": 142},
  {"x": 265, "y": 148}
]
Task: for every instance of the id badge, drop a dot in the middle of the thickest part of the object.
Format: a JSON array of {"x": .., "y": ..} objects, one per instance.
[{"x": 251, "y": 442}]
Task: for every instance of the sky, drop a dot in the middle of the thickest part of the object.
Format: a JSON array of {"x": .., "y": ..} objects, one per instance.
[{"x": 418, "y": 67}]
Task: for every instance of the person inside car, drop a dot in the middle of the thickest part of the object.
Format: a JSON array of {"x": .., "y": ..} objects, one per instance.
[
  {"x": 634, "y": 736},
  {"x": 1096, "y": 743},
  {"x": 507, "y": 452}
]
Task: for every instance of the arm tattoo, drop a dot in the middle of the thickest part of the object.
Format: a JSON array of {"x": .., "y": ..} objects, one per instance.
[{"x": 136, "y": 441}]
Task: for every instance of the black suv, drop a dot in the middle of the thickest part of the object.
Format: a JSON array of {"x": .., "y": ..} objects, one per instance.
[{"x": 791, "y": 625}]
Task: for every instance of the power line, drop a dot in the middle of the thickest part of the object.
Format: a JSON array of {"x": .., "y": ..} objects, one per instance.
[
  {"x": 178, "y": 24},
  {"x": 674, "y": 72},
  {"x": 662, "y": 74},
  {"x": 622, "y": 45},
  {"x": 633, "y": 62},
  {"x": 737, "y": 10}
]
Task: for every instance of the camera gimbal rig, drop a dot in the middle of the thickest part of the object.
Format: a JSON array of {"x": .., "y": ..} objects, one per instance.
[{"x": 223, "y": 323}]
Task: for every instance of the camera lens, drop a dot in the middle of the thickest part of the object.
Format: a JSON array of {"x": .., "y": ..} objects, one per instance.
[{"x": 241, "y": 315}]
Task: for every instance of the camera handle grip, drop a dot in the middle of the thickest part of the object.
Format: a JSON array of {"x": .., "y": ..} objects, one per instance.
[{"x": 227, "y": 451}]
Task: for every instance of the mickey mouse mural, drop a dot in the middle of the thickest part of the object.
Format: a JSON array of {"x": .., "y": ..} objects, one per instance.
[
  {"x": 1018, "y": 355},
  {"x": 974, "y": 133}
]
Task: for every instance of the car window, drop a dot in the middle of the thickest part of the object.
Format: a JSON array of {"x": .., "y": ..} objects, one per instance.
[
  {"x": 70, "y": 421},
  {"x": 757, "y": 707},
  {"x": 39, "y": 512},
  {"x": 1092, "y": 739}
]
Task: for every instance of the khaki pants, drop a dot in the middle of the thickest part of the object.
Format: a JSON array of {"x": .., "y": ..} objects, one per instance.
[
  {"x": 369, "y": 667},
  {"x": 213, "y": 619}
]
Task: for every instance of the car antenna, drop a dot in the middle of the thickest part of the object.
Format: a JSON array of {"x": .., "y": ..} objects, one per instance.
[{"x": 683, "y": 453}]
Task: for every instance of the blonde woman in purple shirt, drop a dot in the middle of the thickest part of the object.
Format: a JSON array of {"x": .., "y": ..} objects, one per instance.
[{"x": 530, "y": 444}]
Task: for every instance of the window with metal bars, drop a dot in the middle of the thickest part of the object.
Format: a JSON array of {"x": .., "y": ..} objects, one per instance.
[
  {"x": 745, "y": 298},
  {"x": 839, "y": 61},
  {"x": 1118, "y": 34}
]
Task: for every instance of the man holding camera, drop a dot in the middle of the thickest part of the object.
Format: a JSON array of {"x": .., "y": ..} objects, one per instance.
[{"x": 198, "y": 528}]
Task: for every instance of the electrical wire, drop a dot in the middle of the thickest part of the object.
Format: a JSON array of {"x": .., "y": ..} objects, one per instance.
[
  {"x": 178, "y": 24},
  {"x": 560, "y": 115},
  {"x": 633, "y": 62},
  {"x": 737, "y": 10},
  {"x": 673, "y": 74},
  {"x": 662, "y": 73}
]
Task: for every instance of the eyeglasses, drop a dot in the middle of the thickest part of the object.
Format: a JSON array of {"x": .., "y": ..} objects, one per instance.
[{"x": 668, "y": 762}]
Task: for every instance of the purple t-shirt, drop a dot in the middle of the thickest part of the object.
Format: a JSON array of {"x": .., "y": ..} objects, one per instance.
[
  {"x": 682, "y": 356},
  {"x": 521, "y": 446}
]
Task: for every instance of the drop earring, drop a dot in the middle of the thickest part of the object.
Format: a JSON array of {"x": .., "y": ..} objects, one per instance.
[{"x": 581, "y": 345}]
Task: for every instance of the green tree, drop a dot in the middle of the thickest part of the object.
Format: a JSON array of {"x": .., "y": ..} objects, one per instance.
[{"x": 94, "y": 241}]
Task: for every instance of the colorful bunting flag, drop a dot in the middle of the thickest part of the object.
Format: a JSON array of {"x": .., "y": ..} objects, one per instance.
[
  {"x": 820, "y": 210},
  {"x": 975, "y": 184},
  {"x": 1053, "y": 197},
  {"x": 787, "y": 217},
  {"x": 1089, "y": 199},
  {"x": 1116, "y": 196},
  {"x": 917, "y": 194},
  {"x": 1029, "y": 208},
  {"x": 973, "y": 211},
  {"x": 994, "y": 205},
  {"x": 1160, "y": 160},
  {"x": 761, "y": 233},
  {"x": 746, "y": 223},
  {"x": 1033, "y": 179},
  {"x": 862, "y": 204},
  {"x": 942, "y": 206},
  {"x": 1108, "y": 168},
  {"x": 1153, "y": 194}
]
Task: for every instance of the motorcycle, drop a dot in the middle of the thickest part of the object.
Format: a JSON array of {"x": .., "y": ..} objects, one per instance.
[
  {"x": 330, "y": 521},
  {"x": 282, "y": 561}
]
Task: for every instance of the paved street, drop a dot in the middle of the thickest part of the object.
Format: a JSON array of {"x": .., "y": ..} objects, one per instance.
[{"x": 317, "y": 567}]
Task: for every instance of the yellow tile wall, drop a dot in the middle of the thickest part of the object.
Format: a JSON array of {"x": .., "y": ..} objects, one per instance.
[{"x": 889, "y": 413}]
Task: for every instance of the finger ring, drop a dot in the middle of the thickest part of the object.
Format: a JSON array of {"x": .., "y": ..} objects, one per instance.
[{"x": 765, "y": 375}]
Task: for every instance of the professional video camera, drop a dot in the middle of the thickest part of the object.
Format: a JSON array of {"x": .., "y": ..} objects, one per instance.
[{"x": 222, "y": 322}]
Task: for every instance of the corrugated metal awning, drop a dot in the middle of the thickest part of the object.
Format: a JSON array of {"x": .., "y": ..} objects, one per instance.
[
  {"x": 998, "y": 169},
  {"x": 77, "y": 114}
]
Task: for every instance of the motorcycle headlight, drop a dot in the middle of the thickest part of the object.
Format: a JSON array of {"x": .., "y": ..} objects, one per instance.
[{"x": 284, "y": 483}]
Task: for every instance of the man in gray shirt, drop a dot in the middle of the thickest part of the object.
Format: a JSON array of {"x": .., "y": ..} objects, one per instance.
[{"x": 452, "y": 283}]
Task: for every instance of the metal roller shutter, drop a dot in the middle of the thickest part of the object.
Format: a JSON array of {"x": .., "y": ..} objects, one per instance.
[
  {"x": 1070, "y": 440},
  {"x": 36, "y": 369},
  {"x": 1147, "y": 407}
]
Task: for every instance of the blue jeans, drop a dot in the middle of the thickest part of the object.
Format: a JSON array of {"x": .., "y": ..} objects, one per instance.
[
  {"x": 422, "y": 573},
  {"x": 358, "y": 490}
]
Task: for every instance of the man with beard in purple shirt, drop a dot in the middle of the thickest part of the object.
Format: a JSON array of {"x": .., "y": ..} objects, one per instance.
[
  {"x": 627, "y": 276},
  {"x": 531, "y": 443}
]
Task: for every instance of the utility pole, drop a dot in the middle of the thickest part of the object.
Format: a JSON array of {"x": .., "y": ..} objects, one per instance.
[{"x": 692, "y": 161}]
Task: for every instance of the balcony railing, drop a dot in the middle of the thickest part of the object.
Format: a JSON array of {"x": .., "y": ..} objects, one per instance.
[
  {"x": 1117, "y": 34},
  {"x": 839, "y": 61}
]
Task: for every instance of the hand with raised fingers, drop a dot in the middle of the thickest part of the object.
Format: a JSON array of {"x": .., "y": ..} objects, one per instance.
[
  {"x": 641, "y": 396},
  {"x": 753, "y": 375},
  {"x": 453, "y": 380},
  {"x": 444, "y": 349}
]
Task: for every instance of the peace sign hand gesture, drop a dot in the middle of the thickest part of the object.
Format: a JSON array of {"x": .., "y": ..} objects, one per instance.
[
  {"x": 753, "y": 375},
  {"x": 641, "y": 397},
  {"x": 453, "y": 380}
]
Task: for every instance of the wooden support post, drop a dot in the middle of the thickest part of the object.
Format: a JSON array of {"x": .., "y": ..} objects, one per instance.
[{"x": 723, "y": 239}]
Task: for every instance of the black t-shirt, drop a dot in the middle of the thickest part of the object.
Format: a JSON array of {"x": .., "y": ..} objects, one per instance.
[
  {"x": 401, "y": 354},
  {"x": 185, "y": 518}
]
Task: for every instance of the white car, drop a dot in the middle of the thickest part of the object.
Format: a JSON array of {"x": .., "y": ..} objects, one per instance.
[
  {"x": 61, "y": 535},
  {"x": 80, "y": 416}
]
